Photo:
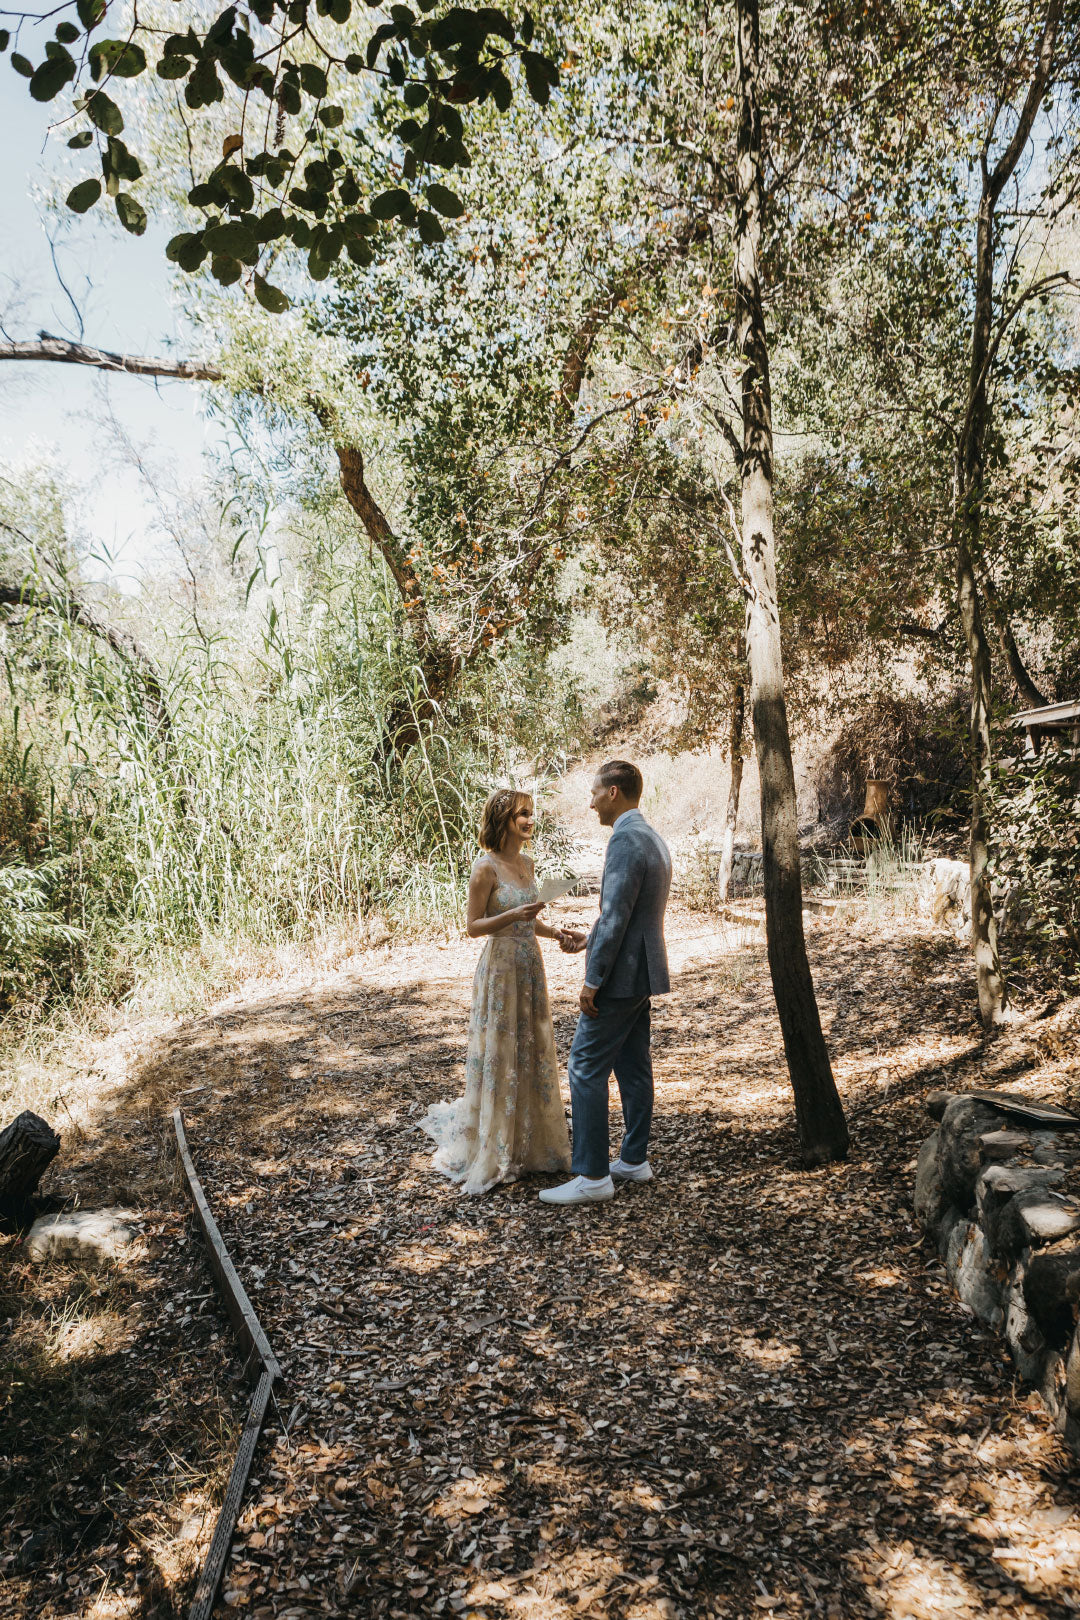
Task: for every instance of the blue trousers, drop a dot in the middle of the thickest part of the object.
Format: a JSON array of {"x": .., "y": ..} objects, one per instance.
[{"x": 617, "y": 1039}]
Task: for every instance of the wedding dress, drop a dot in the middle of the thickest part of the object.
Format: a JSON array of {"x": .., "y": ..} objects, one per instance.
[{"x": 510, "y": 1121}]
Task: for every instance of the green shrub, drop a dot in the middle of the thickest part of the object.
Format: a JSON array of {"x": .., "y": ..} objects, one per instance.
[
  {"x": 36, "y": 943},
  {"x": 1037, "y": 863}
]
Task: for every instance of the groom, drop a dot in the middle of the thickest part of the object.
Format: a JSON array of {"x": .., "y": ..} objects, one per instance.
[{"x": 625, "y": 964}]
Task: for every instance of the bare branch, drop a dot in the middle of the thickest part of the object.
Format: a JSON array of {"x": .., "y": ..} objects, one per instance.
[{"x": 48, "y": 347}]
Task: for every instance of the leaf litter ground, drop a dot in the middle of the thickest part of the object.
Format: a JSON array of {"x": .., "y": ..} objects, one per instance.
[{"x": 742, "y": 1389}]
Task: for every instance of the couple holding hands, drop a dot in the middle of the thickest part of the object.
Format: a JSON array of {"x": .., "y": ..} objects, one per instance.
[{"x": 511, "y": 1122}]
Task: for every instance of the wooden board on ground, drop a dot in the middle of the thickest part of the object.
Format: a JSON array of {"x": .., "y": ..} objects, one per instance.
[{"x": 1036, "y": 1113}]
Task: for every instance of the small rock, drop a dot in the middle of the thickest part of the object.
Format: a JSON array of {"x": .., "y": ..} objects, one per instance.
[
  {"x": 998, "y": 1145},
  {"x": 1047, "y": 1219},
  {"x": 938, "y": 1101},
  {"x": 88, "y": 1236}
]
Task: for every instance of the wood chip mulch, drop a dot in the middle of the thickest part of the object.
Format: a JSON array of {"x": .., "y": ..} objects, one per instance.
[{"x": 740, "y": 1390}]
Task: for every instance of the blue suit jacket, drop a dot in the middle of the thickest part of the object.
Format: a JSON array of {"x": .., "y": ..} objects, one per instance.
[{"x": 626, "y": 954}]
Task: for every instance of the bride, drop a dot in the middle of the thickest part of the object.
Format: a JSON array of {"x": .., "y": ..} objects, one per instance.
[{"x": 510, "y": 1121}]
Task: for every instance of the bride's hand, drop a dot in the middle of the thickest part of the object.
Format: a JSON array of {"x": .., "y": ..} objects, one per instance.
[
  {"x": 525, "y": 913},
  {"x": 572, "y": 940}
]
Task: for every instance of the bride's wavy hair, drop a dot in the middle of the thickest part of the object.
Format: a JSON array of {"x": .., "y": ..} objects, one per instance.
[{"x": 499, "y": 812}]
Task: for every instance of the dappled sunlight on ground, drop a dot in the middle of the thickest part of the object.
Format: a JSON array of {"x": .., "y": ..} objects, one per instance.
[{"x": 740, "y": 1390}]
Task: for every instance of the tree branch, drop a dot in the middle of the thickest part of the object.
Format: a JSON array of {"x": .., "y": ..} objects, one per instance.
[
  {"x": 1026, "y": 689},
  {"x": 1032, "y": 102},
  {"x": 81, "y": 354},
  {"x": 439, "y": 665}
]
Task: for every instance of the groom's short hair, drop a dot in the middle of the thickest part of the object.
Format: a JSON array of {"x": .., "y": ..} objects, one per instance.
[{"x": 619, "y": 773}]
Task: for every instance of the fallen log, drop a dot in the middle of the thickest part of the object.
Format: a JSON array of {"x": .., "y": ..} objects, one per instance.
[{"x": 27, "y": 1147}]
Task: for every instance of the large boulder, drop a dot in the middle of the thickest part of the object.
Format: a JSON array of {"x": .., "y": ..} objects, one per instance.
[
  {"x": 1072, "y": 1378},
  {"x": 930, "y": 1200},
  {"x": 1022, "y": 1333},
  {"x": 963, "y": 1123},
  {"x": 86, "y": 1236},
  {"x": 1052, "y": 1294},
  {"x": 977, "y": 1282}
]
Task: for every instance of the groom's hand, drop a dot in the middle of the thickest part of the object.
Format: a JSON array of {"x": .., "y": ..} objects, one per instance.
[
  {"x": 587, "y": 1001},
  {"x": 572, "y": 940}
]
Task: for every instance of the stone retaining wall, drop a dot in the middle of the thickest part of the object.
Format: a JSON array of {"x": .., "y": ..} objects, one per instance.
[{"x": 1002, "y": 1200}]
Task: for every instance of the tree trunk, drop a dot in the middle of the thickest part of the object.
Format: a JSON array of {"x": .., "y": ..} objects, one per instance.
[
  {"x": 970, "y": 474},
  {"x": 735, "y": 760},
  {"x": 819, "y": 1115},
  {"x": 989, "y": 978},
  {"x": 1026, "y": 690},
  {"x": 27, "y": 1147}
]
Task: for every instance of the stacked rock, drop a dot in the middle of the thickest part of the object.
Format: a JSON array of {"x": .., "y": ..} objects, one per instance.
[{"x": 998, "y": 1188}]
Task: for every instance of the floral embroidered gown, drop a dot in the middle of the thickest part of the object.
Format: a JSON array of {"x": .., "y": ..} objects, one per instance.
[{"x": 510, "y": 1121}]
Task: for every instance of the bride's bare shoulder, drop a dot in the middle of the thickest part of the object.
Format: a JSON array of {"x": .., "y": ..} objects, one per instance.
[{"x": 483, "y": 869}]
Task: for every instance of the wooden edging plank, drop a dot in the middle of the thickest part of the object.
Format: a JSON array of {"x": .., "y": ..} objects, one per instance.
[
  {"x": 214, "y": 1567},
  {"x": 237, "y": 1303},
  {"x": 258, "y": 1355}
]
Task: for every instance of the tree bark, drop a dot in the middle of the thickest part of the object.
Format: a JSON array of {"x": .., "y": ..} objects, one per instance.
[
  {"x": 439, "y": 665},
  {"x": 819, "y": 1116},
  {"x": 970, "y": 476},
  {"x": 735, "y": 761},
  {"x": 27, "y": 1147}
]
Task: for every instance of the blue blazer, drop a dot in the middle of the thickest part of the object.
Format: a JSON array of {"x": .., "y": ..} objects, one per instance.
[{"x": 626, "y": 954}]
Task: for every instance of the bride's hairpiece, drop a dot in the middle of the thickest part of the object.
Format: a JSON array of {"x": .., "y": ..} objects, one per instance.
[{"x": 499, "y": 811}]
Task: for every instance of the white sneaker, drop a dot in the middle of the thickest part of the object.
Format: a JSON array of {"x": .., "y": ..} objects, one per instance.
[
  {"x": 579, "y": 1191},
  {"x": 631, "y": 1172}
]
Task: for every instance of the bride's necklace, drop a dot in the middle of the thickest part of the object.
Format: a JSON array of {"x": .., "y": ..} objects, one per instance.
[{"x": 520, "y": 876}]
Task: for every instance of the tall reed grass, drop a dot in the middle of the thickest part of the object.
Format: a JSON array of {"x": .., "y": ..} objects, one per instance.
[{"x": 271, "y": 809}]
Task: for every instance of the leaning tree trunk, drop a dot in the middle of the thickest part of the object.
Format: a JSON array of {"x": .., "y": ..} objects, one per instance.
[
  {"x": 970, "y": 476},
  {"x": 819, "y": 1115},
  {"x": 735, "y": 760}
]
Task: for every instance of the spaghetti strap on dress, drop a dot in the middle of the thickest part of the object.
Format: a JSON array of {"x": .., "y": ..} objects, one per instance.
[{"x": 511, "y": 1121}]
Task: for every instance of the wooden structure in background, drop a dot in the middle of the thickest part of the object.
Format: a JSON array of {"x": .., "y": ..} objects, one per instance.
[{"x": 1055, "y": 728}]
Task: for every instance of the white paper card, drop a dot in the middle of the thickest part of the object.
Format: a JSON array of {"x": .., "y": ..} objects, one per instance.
[{"x": 555, "y": 888}]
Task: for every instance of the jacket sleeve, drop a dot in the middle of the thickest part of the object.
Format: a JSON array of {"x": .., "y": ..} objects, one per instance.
[{"x": 622, "y": 885}]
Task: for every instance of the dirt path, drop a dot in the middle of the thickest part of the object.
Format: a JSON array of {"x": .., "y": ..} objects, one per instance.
[{"x": 740, "y": 1390}]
